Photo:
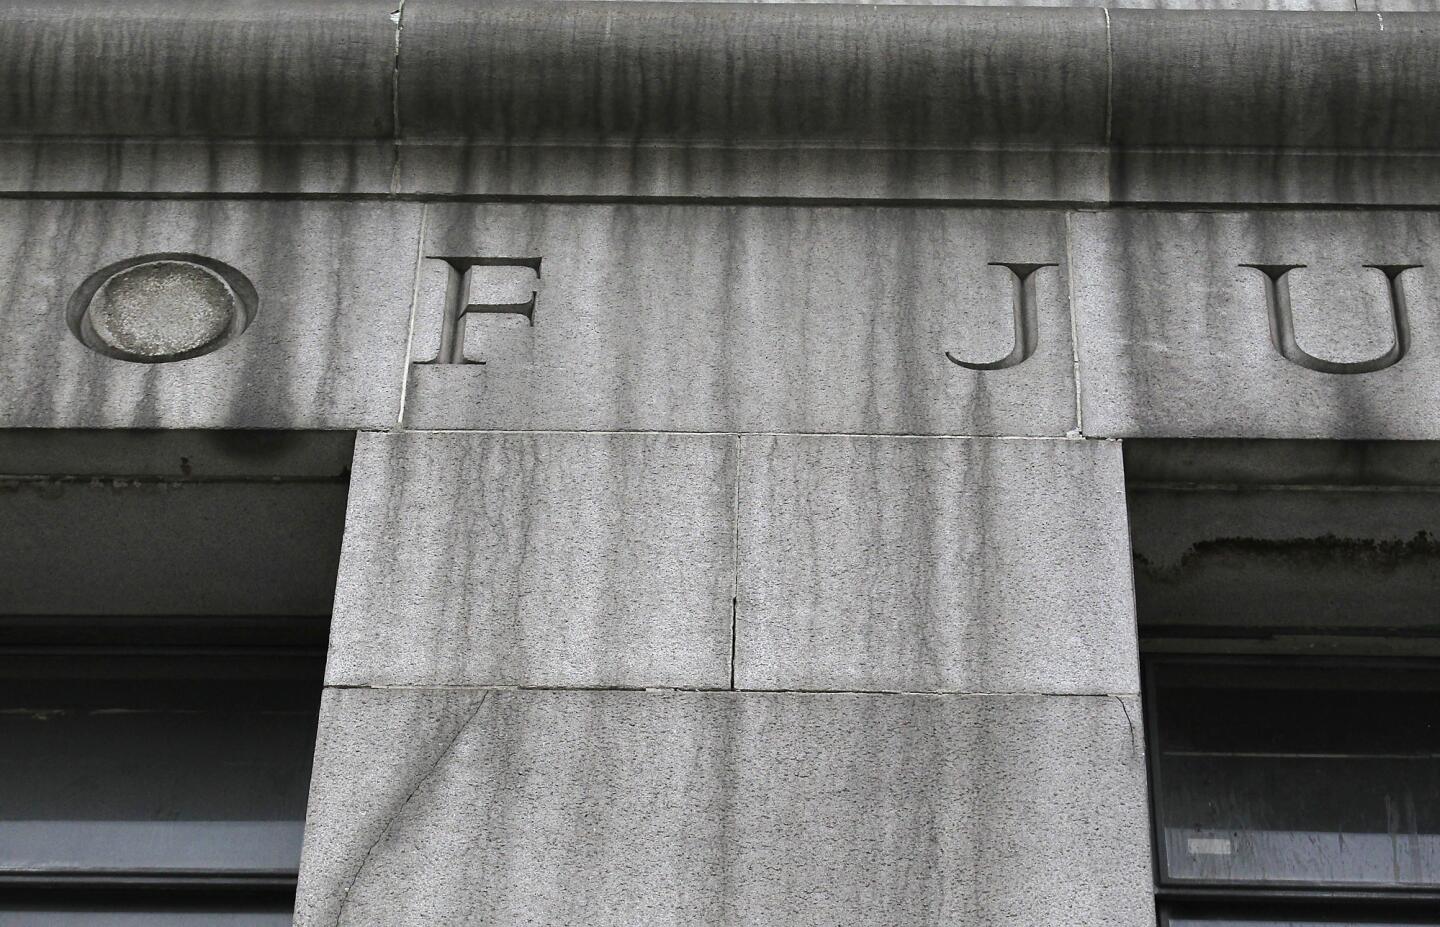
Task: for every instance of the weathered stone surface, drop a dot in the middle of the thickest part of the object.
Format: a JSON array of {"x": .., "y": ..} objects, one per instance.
[
  {"x": 1399, "y": 6},
  {"x": 72, "y": 166},
  {"x": 1255, "y": 80},
  {"x": 263, "y": 68},
  {"x": 553, "y": 560},
  {"x": 930, "y": 93},
  {"x": 1257, "y": 537},
  {"x": 1254, "y": 177},
  {"x": 718, "y": 318},
  {"x": 325, "y": 349},
  {"x": 161, "y": 309},
  {"x": 1254, "y": 558},
  {"x": 1292, "y": 5},
  {"x": 620, "y": 808},
  {"x": 1065, "y": 174},
  {"x": 1174, "y": 334},
  {"x": 916, "y": 76},
  {"x": 938, "y": 101},
  {"x": 941, "y": 564}
]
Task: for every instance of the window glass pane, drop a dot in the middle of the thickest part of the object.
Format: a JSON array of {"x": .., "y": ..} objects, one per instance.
[
  {"x": 156, "y": 762},
  {"x": 1298, "y": 773}
]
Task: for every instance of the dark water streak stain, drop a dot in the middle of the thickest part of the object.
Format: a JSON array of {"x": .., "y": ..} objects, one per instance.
[{"x": 1324, "y": 551}]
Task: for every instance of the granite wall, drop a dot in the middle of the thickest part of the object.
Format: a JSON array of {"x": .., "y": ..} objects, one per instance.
[{"x": 737, "y": 528}]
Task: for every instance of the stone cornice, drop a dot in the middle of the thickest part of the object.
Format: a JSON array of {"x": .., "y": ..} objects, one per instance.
[{"x": 642, "y": 98}]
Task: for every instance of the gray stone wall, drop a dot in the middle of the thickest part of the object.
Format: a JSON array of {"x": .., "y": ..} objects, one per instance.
[
  {"x": 737, "y": 530},
  {"x": 716, "y": 590}
]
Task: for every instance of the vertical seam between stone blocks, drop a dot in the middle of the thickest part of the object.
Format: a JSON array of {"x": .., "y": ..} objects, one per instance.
[
  {"x": 414, "y": 308},
  {"x": 1109, "y": 84},
  {"x": 735, "y": 562},
  {"x": 1074, "y": 327},
  {"x": 395, "y": 101}
]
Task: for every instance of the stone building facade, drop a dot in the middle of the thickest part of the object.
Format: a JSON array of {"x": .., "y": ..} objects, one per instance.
[{"x": 744, "y": 400}]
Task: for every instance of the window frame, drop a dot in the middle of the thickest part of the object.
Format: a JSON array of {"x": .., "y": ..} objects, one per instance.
[
  {"x": 172, "y": 638},
  {"x": 1255, "y": 900}
]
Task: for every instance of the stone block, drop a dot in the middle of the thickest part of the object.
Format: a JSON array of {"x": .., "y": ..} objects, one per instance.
[
  {"x": 1292, "y": 5},
  {"x": 1175, "y": 333},
  {"x": 135, "y": 166},
  {"x": 1266, "y": 80},
  {"x": 1399, "y": 6},
  {"x": 543, "y": 560},
  {"x": 450, "y": 807},
  {"x": 1253, "y": 177},
  {"x": 933, "y": 564},
  {"x": 697, "y": 74},
  {"x": 734, "y": 318},
  {"x": 208, "y": 68},
  {"x": 325, "y": 349},
  {"x": 1070, "y": 174}
]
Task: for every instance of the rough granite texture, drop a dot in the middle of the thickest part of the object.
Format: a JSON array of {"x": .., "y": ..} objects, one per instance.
[
  {"x": 730, "y": 452},
  {"x": 1253, "y": 80},
  {"x": 980, "y": 101},
  {"x": 450, "y": 807},
  {"x": 541, "y": 560},
  {"x": 1174, "y": 336},
  {"x": 71, "y": 166},
  {"x": 719, "y": 318},
  {"x": 1298, "y": 6},
  {"x": 933, "y": 564},
  {"x": 787, "y": 172},
  {"x": 162, "y": 309},
  {"x": 325, "y": 350},
  {"x": 761, "y": 72},
  {"x": 204, "y": 68}
]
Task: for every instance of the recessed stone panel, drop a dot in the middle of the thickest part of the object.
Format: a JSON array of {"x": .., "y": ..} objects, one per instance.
[
  {"x": 543, "y": 559},
  {"x": 322, "y": 346},
  {"x": 933, "y": 564},
  {"x": 1178, "y": 337},
  {"x": 450, "y": 807},
  {"x": 731, "y": 318}
]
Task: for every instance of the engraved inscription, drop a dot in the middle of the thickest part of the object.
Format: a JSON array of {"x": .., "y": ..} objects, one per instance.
[
  {"x": 1027, "y": 322},
  {"x": 1282, "y": 320},
  {"x": 458, "y": 306},
  {"x": 158, "y": 308}
]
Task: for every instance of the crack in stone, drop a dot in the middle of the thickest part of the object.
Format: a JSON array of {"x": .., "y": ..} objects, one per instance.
[
  {"x": 1134, "y": 751},
  {"x": 405, "y": 803}
]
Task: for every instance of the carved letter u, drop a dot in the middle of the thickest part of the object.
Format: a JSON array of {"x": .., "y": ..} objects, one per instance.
[
  {"x": 1282, "y": 321},
  {"x": 1027, "y": 323}
]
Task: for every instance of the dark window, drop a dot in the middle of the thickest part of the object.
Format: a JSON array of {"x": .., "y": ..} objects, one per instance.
[
  {"x": 1280, "y": 772},
  {"x": 1290, "y": 643},
  {"x": 1345, "y": 914},
  {"x": 163, "y": 621}
]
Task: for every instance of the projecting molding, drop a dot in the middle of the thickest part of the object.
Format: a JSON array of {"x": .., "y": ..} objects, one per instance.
[{"x": 761, "y": 99}]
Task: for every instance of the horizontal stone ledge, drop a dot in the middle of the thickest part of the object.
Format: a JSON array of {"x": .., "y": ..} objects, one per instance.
[
  {"x": 1091, "y": 176},
  {"x": 895, "y": 76}
]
